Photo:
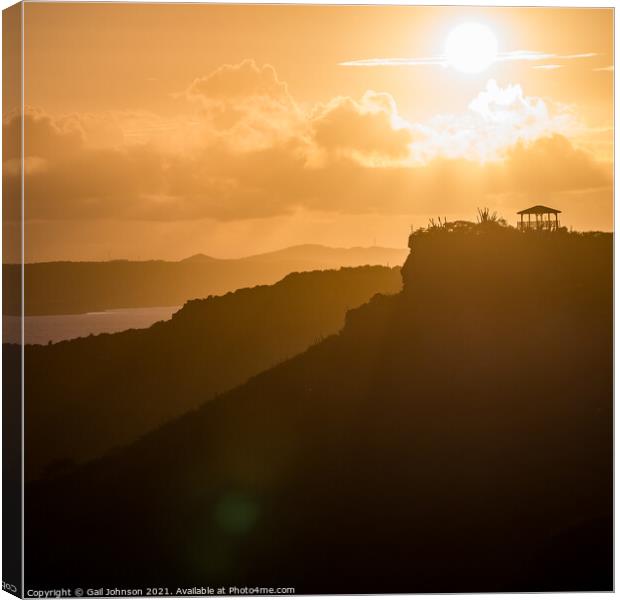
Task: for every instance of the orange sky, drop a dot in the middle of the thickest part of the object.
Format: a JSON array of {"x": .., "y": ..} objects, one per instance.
[{"x": 159, "y": 131}]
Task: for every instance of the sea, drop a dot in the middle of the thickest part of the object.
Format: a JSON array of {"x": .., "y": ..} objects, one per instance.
[{"x": 55, "y": 328}]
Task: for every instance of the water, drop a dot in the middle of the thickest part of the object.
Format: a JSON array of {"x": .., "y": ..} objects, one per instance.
[{"x": 54, "y": 328}]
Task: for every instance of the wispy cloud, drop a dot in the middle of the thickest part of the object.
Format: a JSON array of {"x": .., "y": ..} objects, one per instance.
[
  {"x": 395, "y": 62},
  {"x": 442, "y": 61},
  {"x": 547, "y": 67},
  {"x": 532, "y": 55},
  {"x": 609, "y": 68}
]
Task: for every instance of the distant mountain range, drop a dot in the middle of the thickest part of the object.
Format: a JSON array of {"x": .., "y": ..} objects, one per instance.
[
  {"x": 318, "y": 253},
  {"x": 454, "y": 437},
  {"x": 79, "y": 287}
]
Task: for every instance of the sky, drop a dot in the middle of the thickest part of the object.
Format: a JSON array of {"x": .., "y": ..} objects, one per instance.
[{"x": 161, "y": 131}]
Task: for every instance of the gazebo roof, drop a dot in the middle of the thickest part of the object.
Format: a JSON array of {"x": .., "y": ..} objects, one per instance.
[{"x": 539, "y": 209}]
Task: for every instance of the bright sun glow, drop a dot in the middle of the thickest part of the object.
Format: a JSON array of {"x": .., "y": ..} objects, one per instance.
[{"x": 471, "y": 47}]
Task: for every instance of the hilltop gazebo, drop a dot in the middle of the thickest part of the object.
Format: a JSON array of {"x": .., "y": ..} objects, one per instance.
[{"x": 539, "y": 222}]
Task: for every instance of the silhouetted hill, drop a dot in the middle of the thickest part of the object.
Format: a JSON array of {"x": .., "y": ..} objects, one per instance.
[
  {"x": 78, "y": 287},
  {"x": 87, "y": 395},
  {"x": 454, "y": 437}
]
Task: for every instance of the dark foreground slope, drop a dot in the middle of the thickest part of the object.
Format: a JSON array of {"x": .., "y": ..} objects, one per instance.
[
  {"x": 58, "y": 288},
  {"x": 454, "y": 437},
  {"x": 88, "y": 395}
]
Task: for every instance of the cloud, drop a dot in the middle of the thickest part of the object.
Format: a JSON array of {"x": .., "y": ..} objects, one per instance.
[
  {"x": 553, "y": 164},
  {"x": 248, "y": 151},
  {"x": 369, "y": 128},
  {"x": 532, "y": 55},
  {"x": 527, "y": 117},
  {"x": 246, "y": 104},
  {"x": 442, "y": 60},
  {"x": 496, "y": 119},
  {"x": 42, "y": 129},
  {"x": 233, "y": 83},
  {"x": 396, "y": 62},
  {"x": 65, "y": 176},
  {"x": 609, "y": 68},
  {"x": 547, "y": 67}
]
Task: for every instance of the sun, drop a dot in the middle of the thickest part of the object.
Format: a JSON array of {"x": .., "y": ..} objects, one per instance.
[{"x": 471, "y": 48}]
